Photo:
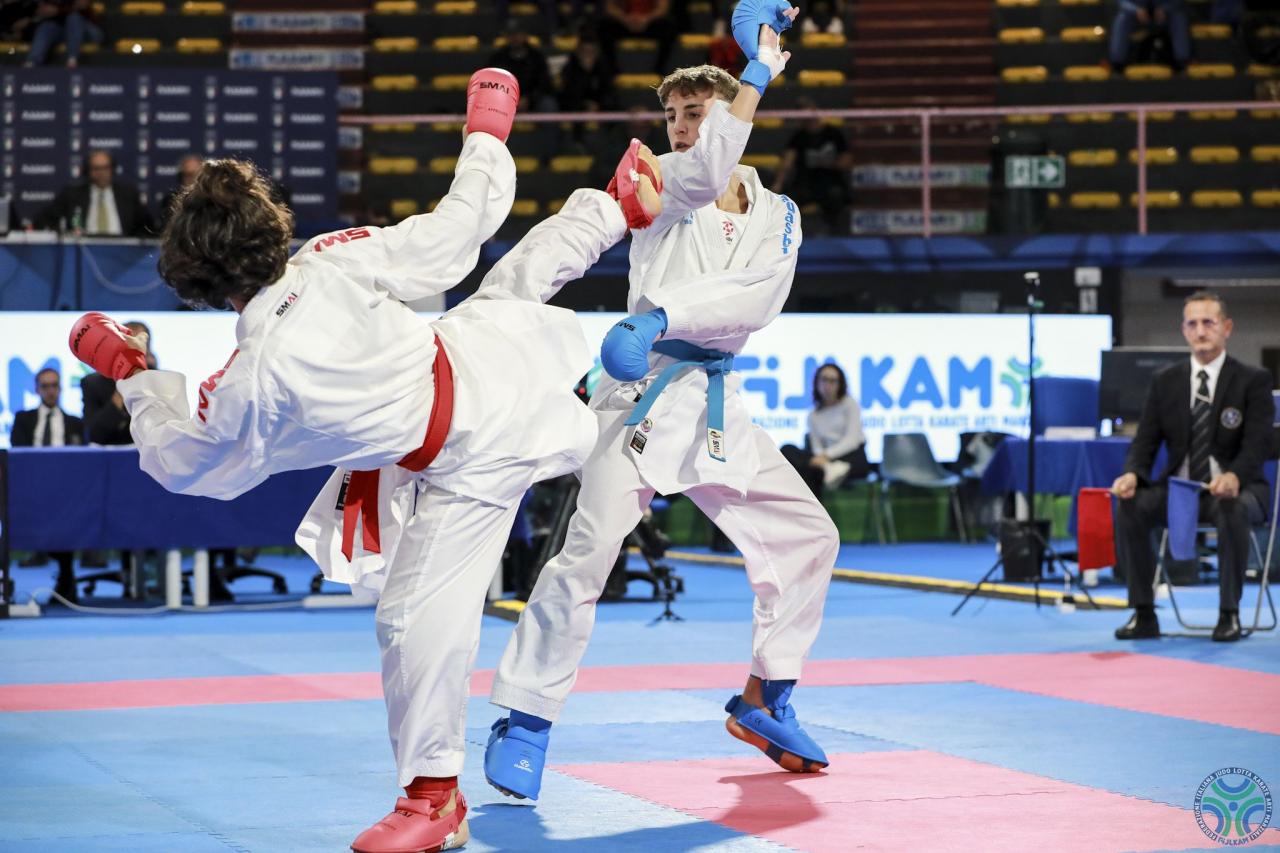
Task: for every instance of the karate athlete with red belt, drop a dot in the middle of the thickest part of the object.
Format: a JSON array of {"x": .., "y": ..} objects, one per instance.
[
  {"x": 714, "y": 266},
  {"x": 436, "y": 428}
]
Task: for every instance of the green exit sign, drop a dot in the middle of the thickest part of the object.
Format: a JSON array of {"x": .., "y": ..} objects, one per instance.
[{"x": 1040, "y": 173}]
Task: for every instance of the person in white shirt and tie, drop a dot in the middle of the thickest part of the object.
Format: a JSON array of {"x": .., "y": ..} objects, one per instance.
[
  {"x": 102, "y": 206},
  {"x": 48, "y": 425}
]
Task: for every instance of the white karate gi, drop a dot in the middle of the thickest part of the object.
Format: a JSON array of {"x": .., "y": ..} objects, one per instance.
[
  {"x": 715, "y": 293},
  {"x": 331, "y": 368}
]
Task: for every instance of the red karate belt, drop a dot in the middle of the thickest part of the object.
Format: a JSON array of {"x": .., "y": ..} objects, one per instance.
[
  {"x": 1095, "y": 532},
  {"x": 360, "y": 500}
]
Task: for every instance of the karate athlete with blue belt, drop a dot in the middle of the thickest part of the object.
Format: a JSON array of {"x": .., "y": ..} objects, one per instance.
[
  {"x": 713, "y": 267},
  {"x": 436, "y": 428}
]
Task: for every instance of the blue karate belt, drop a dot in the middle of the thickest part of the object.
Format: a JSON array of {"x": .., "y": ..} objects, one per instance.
[{"x": 715, "y": 363}]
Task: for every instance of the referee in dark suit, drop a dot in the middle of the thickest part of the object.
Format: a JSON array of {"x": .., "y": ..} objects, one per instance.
[{"x": 1216, "y": 416}]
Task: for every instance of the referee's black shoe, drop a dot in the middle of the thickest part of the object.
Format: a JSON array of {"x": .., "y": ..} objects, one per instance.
[{"x": 1142, "y": 625}]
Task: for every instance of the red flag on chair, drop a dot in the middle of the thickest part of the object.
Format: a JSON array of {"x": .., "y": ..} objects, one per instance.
[{"x": 1095, "y": 533}]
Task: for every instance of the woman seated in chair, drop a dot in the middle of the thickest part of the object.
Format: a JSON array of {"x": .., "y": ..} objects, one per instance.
[{"x": 835, "y": 449}]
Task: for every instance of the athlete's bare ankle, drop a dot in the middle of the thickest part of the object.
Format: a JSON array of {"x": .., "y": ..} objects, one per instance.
[{"x": 753, "y": 693}]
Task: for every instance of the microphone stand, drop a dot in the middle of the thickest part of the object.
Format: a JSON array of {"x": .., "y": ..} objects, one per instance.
[{"x": 1027, "y": 528}]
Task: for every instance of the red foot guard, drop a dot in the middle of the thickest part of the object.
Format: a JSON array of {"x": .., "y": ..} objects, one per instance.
[
  {"x": 637, "y": 185},
  {"x": 418, "y": 826}
]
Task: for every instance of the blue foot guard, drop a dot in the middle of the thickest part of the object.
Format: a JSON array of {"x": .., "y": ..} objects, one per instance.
[
  {"x": 778, "y": 736},
  {"x": 515, "y": 755}
]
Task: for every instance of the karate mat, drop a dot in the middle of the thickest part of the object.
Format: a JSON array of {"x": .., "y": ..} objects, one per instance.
[{"x": 1005, "y": 728}]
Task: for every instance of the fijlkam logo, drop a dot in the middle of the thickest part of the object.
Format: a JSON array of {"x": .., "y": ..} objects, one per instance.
[{"x": 1236, "y": 802}]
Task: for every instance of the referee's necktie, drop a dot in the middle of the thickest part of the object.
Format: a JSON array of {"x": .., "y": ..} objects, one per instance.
[
  {"x": 1201, "y": 430},
  {"x": 102, "y": 219},
  {"x": 46, "y": 434}
]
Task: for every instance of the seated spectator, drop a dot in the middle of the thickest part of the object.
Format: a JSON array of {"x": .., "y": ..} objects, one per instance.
[
  {"x": 72, "y": 21},
  {"x": 835, "y": 448},
  {"x": 105, "y": 417},
  {"x": 101, "y": 206},
  {"x": 552, "y": 21},
  {"x": 586, "y": 84},
  {"x": 188, "y": 166},
  {"x": 48, "y": 425},
  {"x": 1156, "y": 16},
  {"x": 624, "y": 19},
  {"x": 723, "y": 51},
  {"x": 823, "y": 16},
  {"x": 17, "y": 19},
  {"x": 528, "y": 65},
  {"x": 815, "y": 168}
]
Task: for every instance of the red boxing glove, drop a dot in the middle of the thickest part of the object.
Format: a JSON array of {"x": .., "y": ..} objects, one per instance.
[{"x": 103, "y": 344}]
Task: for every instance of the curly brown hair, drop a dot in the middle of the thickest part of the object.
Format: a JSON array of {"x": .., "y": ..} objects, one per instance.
[
  {"x": 228, "y": 235},
  {"x": 696, "y": 80}
]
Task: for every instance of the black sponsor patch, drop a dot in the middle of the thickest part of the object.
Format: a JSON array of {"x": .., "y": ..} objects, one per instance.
[
  {"x": 638, "y": 442},
  {"x": 342, "y": 492}
]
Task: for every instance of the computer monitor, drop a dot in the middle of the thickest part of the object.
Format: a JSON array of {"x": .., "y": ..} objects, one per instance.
[{"x": 1126, "y": 379}]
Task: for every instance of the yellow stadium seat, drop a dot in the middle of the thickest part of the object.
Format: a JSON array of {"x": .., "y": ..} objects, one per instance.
[
  {"x": 1029, "y": 118},
  {"x": 554, "y": 206},
  {"x": 525, "y": 165},
  {"x": 142, "y": 7},
  {"x": 446, "y": 127},
  {"x": 565, "y": 44},
  {"x": 571, "y": 164},
  {"x": 637, "y": 81},
  {"x": 202, "y": 45},
  {"x": 1263, "y": 115},
  {"x": 1210, "y": 71},
  {"x": 1084, "y": 118},
  {"x": 1266, "y": 198},
  {"x": 1257, "y": 69},
  {"x": 1212, "y": 115},
  {"x": 695, "y": 41},
  {"x": 204, "y": 7},
  {"x": 822, "y": 40},
  {"x": 1148, "y": 72},
  {"x": 1095, "y": 200},
  {"x": 700, "y": 7},
  {"x": 1085, "y": 73},
  {"x": 455, "y": 7},
  {"x": 393, "y": 165},
  {"x": 1216, "y": 198},
  {"x": 1158, "y": 198},
  {"x": 1265, "y": 153},
  {"x": 1211, "y": 31},
  {"x": 640, "y": 45},
  {"x": 1080, "y": 2},
  {"x": 12, "y": 47},
  {"x": 1156, "y": 156},
  {"x": 99, "y": 8},
  {"x": 812, "y": 78},
  {"x": 523, "y": 9},
  {"x": 448, "y": 44},
  {"x": 1009, "y": 4},
  {"x": 528, "y": 126},
  {"x": 1021, "y": 35},
  {"x": 450, "y": 82},
  {"x": 442, "y": 165},
  {"x": 392, "y": 127},
  {"x": 1055, "y": 200},
  {"x": 1154, "y": 115},
  {"x": 1025, "y": 74},
  {"x": 402, "y": 208},
  {"x": 394, "y": 82},
  {"x": 524, "y": 207},
  {"x": 1215, "y": 154},
  {"x": 395, "y": 7},
  {"x": 1077, "y": 34},
  {"x": 761, "y": 161},
  {"x": 137, "y": 45},
  {"x": 1093, "y": 157},
  {"x": 395, "y": 44}
]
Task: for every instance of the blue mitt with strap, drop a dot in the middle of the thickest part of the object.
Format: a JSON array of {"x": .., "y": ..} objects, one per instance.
[
  {"x": 763, "y": 62},
  {"x": 516, "y": 754},
  {"x": 776, "y": 732},
  {"x": 625, "y": 351}
]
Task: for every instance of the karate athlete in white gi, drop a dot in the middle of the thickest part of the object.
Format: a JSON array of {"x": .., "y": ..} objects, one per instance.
[
  {"x": 714, "y": 267},
  {"x": 436, "y": 428}
]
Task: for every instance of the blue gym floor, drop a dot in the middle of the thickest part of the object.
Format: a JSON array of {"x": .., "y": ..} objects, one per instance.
[{"x": 922, "y": 759}]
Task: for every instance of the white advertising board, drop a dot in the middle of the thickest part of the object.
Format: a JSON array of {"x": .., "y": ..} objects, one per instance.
[{"x": 940, "y": 374}]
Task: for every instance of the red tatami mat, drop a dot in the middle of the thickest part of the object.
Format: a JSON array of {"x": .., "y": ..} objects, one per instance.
[{"x": 905, "y": 800}]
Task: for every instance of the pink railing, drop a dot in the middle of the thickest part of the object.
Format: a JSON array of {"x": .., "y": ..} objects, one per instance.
[{"x": 922, "y": 116}]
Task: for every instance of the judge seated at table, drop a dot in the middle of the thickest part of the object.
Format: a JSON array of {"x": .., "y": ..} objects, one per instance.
[
  {"x": 1215, "y": 414},
  {"x": 102, "y": 206}
]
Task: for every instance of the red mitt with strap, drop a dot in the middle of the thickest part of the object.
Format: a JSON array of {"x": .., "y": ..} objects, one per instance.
[
  {"x": 103, "y": 344},
  {"x": 637, "y": 185}
]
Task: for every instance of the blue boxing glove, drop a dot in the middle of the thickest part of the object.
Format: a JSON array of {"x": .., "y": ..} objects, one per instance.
[
  {"x": 625, "y": 351},
  {"x": 748, "y": 17}
]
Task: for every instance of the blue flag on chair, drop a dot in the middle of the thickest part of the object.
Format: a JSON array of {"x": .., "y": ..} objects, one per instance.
[{"x": 1184, "y": 513}]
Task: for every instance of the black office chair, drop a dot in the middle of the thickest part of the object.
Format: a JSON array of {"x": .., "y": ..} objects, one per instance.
[{"x": 908, "y": 459}]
